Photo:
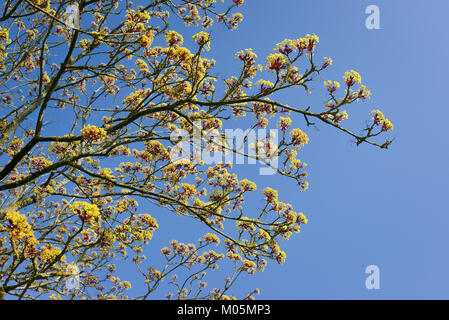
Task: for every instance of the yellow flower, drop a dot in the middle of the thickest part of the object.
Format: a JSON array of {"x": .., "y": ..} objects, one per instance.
[
  {"x": 49, "y": 253},
  {"x": 173, "y": 38},
  {"x": 247, "y": 185},
  {"x": 352, "y": 77},
  {"x": 327, "y": 62},
  {"x": 234, "y": 20},
  {"x": 107, "y": 173},
  {"x": 248, "y": 266},
  {"x": 284, "y": 122},
  {"x": 307, "y": 43},
  {"x": 276, "y": 62},
  {"x": 202, "y": 39},
  {"x": 238, "y": 3},
  {"x": 85, "y": 211},
  {"x": 39, "y": 163},
  {"x": 93, "y": 133},
  {"x": 271, "y": 194},
  {"x": 298, "y": 137},
  {"x": 4, "y": 35},
  {"x": 146, "y": 39},
  {"x": 363, "y": 93},
  {"x": 331, "y": 86},
  {"x": 379, "y": 119},
  {"x": 19, "y": 229},
  {"x": 264, "y": 85},
  {"x": 211, "y": 238}
]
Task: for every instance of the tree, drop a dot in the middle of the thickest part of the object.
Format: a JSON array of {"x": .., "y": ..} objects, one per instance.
[{"x": 122, "y": 85}]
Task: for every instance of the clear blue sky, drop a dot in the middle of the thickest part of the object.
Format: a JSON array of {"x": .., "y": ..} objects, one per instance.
[{"x": 365, "y": 205}]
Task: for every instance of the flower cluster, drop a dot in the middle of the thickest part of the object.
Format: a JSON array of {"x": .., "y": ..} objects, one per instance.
[
  {"x": 276, "y": 62},
  {"x": 20, "y": 231},
  {"x": 93, "y": 133},
  {"x": 379, "y": 119},
  {"x": 327, "y": 62},
  {"x": 249, "y": 62},
  {"x": 14, "y": 146},
  {"x": 265, "y": 85},
  {"x": 135, "y": 21},
  {"x": 211, "y": 238},
  {"x": 143, "y": 67},
  {"x": 49, "y": 253},
  {"x": 363, "y": 93},
  {"x": 307, "y": 43},
  {"x": 284, "y": 122},
  {"x": 331, "y": 86},
  {"x": 298, "y": 137},
  {"x": 234, "y": 20},
  {"x": 39, "y": 163},
  {"x": 202, "y": 39},
  {"x": 247, "y": 185},
  {"x": 4, "y": 40},
  {"x": 173, "y": 38},
  {"x": 351, "y": 78},
  {"x": 85, "y": 211}
]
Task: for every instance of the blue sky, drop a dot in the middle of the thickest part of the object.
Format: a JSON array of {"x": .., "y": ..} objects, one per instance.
[{"x": 365, "y": 205}]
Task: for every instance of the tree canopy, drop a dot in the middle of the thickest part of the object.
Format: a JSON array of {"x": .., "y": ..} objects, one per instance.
[{"x": 129, "y": 98}]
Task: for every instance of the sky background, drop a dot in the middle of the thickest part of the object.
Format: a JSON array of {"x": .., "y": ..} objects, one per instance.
[{"x": 365, "y": 205}]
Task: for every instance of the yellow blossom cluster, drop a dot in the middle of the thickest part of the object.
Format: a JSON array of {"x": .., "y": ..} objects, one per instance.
[
  {"x": 85, "y": 211},
  {"x": 298, "y": 137},
  {"x": 136, "y": 228},
  {"x": 14, "y": 146},
  {"x": 209, "y": 257},
  {"x": 173, "y": 38},
  {"x": 20, "y": 232},
  {"x": 202, "y": 39},
  {"x": 238, "y": 3},
  {"x": 49, "y": 253},
  {"x": 107, "y": 173},
  {"x": 248, "y": 56},
  {"x": 234, "y": 20},
  {"x": 39, "y": 163},
  {"x": 249, "y": 266},
  {"x": 211, "y": 238},
  {"x": 308, "y": 43},
  {"x": 4, "y": 40},
  {"x": 142, "y": 66},
  {"x": 126, "y": 204},
  {"x": 276, "y": 62},
  {"x": 135, "y": 98},
  {"x": 363, "y": 92},
  {"x": 379, "y": 119},
  {"x": 146, "y": 39},
  {"x": 352, "y": 77},
  {"x": 284, "y": 122},
  {"x": 270, "y": 194},
  {"x": 247, "y": 185},
  {"x": 265, "y": 85},
  {"x": 93, "y": 133},
  {"x": 135, "y": 23},
  {"x": 331, "y": 86}
]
